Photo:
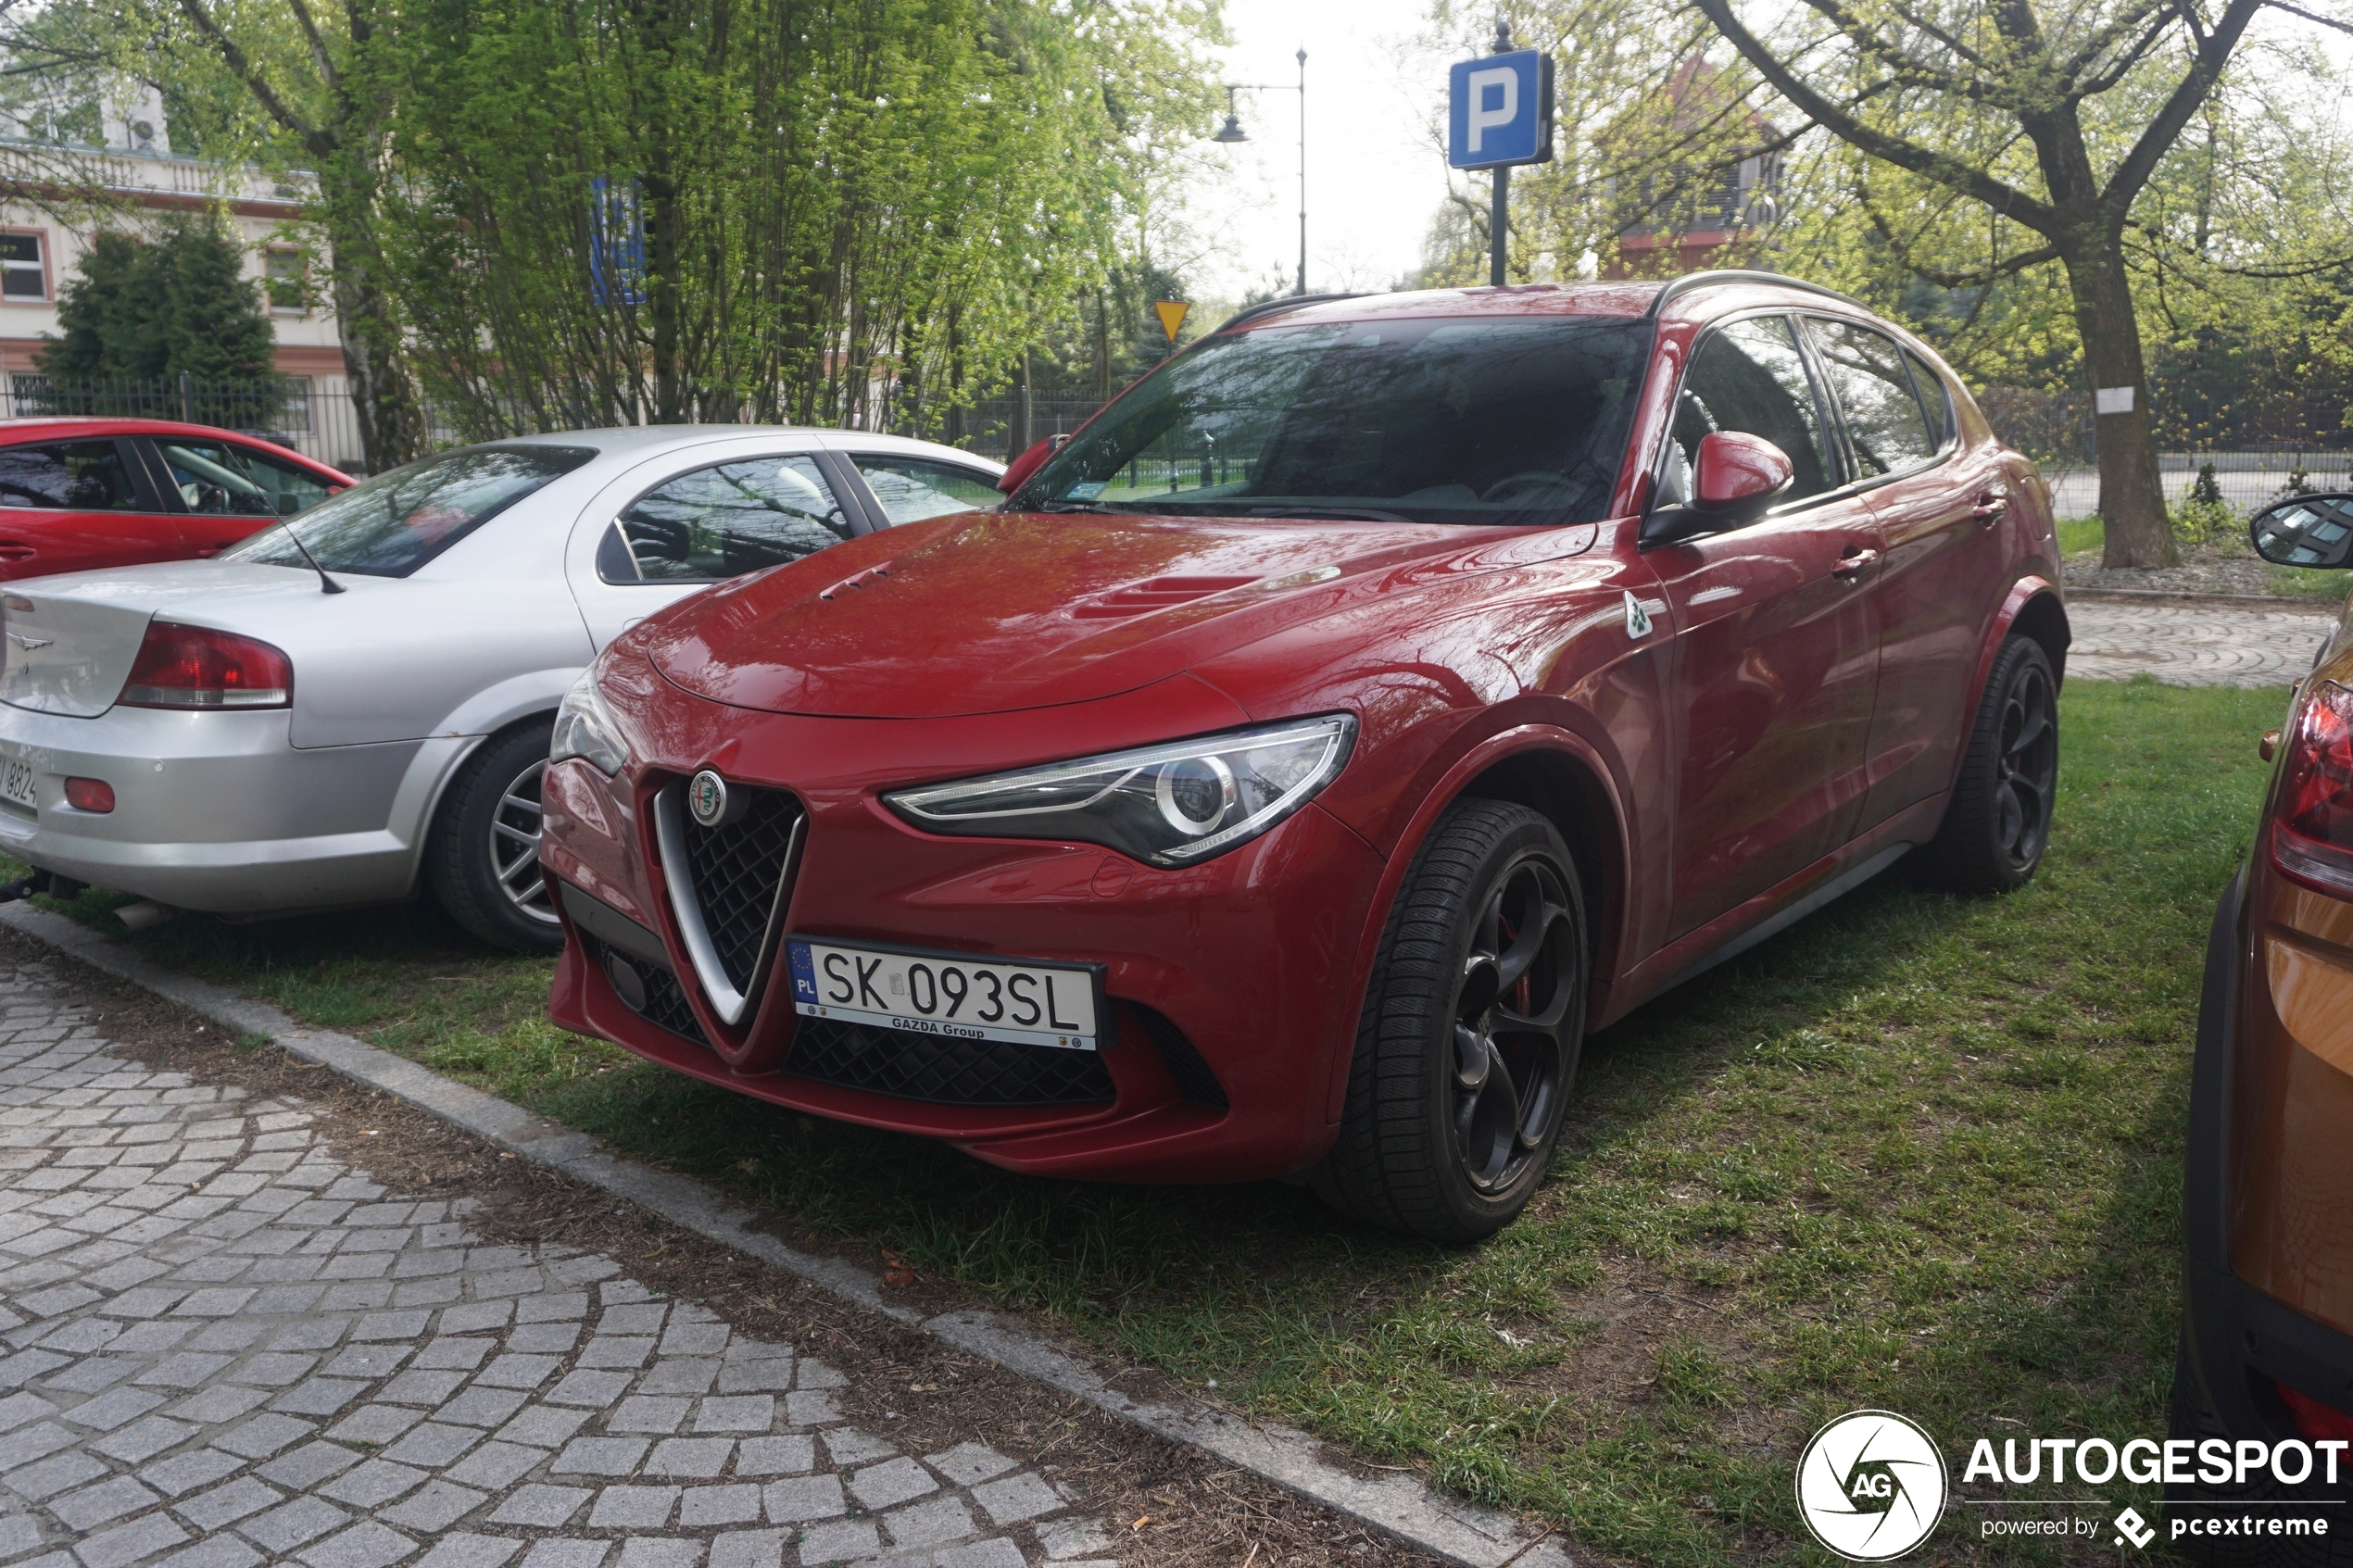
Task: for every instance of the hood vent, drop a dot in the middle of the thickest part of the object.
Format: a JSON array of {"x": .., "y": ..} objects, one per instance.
[{"x": 1155, "y": 593}]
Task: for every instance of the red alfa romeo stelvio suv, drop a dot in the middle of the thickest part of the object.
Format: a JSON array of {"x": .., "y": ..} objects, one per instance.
[{"x": 1373, "y": 699}]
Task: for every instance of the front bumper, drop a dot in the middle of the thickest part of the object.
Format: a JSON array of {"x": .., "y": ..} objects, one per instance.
[
  {"x": 2238, "y": 1341},
  {"x": 1241, "y": 969},
  {"x": 220, "y": 811}
]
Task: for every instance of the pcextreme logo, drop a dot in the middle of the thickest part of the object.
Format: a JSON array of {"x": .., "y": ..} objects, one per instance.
[{"x": 1871, "y": 1485}]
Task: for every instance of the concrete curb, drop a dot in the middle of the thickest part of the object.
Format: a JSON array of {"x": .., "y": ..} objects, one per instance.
[
  {"x": 2219, "y": 601},
  {"x": 1401, "y": 1506}
]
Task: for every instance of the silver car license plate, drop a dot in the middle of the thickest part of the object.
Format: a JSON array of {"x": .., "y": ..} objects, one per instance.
[
  {"x": 17, "y": 784},
  {"x": 956, "y": 994}
]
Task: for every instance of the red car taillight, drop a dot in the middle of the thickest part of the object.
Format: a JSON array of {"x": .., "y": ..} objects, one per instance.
[
  {"x": 90, "y": 795},
  {"x": 2313, "y": 1418},
  {"x": 194, "y": 667},
  {"x": 2312, "y": 823}
]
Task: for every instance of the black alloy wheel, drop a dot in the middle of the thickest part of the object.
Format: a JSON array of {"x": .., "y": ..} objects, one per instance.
[
  {"x": 482, "y": 860},
  {"x": 1467, "y": 1045},
  {"x": 1999, "y": 823}
]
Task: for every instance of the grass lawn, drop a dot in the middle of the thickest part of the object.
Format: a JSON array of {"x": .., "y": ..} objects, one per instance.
[{"x": 1918, "y": 1153}]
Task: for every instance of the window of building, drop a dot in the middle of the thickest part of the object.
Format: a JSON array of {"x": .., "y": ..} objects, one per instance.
[
  {"x": 24, "y": 269},
  {"x": 288, "y": 284}
]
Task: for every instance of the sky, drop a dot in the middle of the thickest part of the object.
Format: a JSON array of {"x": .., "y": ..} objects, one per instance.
[{"x": 1374, "y": 179}]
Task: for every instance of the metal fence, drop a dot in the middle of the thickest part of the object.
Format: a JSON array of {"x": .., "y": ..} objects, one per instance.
[
  {"x": 293, "y": 411},
  {"x": 2246, "y": 478}
]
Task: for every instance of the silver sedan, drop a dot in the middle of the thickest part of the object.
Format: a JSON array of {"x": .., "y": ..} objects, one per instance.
[{"x": 358, "y": 701}]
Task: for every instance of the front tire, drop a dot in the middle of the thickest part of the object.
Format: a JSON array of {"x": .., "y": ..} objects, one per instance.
[
  {"x": 482, "y": 860},
  {"x": 1998, "y": 821},
  {"x": 1467, "y": 1044}
]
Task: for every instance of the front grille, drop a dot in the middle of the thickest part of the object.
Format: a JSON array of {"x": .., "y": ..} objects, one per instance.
[
  {"x": 925, "y": 1067},
  {"x": 735, "y": 869}
]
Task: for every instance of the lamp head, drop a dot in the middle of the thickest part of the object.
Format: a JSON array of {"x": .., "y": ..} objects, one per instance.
[{"x": 1231, "y": 131}]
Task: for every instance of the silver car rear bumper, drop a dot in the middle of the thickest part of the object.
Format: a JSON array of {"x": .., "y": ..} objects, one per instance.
[{"x": 218, "y": 811}]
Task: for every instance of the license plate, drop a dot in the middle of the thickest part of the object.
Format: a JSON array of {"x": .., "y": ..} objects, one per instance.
[
  {"x": 954, "y": 995},
  {"x": 16, "y": 783}
]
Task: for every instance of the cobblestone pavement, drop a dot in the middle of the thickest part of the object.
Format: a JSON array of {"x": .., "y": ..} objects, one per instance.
[
  {"x": 2186, "y": 645},
  {"x": 222, "y": 1347}
]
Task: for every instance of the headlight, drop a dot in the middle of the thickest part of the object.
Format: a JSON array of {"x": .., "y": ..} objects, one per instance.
[
  {"x": 1167, "y": 805},
  {"x": 585, "y": 729}
]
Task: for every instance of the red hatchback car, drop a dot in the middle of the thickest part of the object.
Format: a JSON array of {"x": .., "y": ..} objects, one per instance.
[
  {"x": 1376, "y": 697},
  {"x": 79, "y": 492}
]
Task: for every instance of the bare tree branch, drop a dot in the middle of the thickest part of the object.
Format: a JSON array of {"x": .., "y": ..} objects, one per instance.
[
  {"x": 318, "y": 45},
  {"x": 2156, "y": 138},
  {"x": 2002, "y": 198},
  {"x": 314, "y": 139}
]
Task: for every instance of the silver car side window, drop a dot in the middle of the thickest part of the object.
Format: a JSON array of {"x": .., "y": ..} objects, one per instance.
[
  {"x": 722, "y": 522},
  {"x": 912, "y": 489}
]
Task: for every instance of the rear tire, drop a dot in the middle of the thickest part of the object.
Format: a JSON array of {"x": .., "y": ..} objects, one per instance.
[
  {"x": 1467, "y": 1047},
  {"x": 483, "y": 859},
  {"x": 1998, "y": 821}
]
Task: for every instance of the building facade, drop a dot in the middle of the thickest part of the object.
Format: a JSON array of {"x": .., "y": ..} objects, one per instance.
[{"x": 60, "y": 190}]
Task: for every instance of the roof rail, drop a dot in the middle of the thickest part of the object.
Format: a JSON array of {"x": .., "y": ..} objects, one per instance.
[
  {"x": 1271, "y": 306},
  {"x": 1691, "y": 281}
]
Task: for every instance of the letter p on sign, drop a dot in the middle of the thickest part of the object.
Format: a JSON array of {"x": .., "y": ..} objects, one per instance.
[{"x": 1498, "y": 86}]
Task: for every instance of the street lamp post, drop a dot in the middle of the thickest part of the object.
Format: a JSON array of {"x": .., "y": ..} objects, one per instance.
[{"x": 1232, "y": 131}]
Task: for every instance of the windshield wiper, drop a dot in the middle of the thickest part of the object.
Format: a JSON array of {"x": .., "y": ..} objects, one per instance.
[
  {"x": 1338, "y": 514},
  {"x": 1077, "y": 507}
]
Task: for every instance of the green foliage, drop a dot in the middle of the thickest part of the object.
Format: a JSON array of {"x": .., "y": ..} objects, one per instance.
[
  {"x": 2200, "y": 521},
  {"x": 2206, "y": 491},
  {"x": 851, "y": 216},
  {"x": 173, "y": 302}
]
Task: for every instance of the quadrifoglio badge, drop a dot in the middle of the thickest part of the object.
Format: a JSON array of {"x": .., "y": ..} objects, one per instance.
[{"x": 1872, "y": 1485}]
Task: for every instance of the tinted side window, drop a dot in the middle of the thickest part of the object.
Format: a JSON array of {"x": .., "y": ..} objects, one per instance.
[
  {"x": 1750, "y": 377},
  {"x": 218, "y": 478},
  {"x": 1937, "y": 397},
  {"x": 723, "y": 522},
  {"x": 1884, "y": 424},
  {"x": 912, "y": 489},
  {"x": 78, "y": 476}
]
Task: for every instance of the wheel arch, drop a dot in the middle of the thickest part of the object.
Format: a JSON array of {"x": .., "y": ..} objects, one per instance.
[
  {"x": 437, "y": 790},
  {"x": 1553, "y": 773},
  {"x": 2043, "y": 618}
]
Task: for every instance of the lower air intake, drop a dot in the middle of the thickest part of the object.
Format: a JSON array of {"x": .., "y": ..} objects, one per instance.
[
  {"x": 663, "y": 1002},
  {"x": 924, "y": 1067}
]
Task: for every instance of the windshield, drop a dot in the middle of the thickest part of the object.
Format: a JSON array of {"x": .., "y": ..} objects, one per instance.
[
  {"x": 1445, "y": 420},
  {"x": 392, "y": 524}
]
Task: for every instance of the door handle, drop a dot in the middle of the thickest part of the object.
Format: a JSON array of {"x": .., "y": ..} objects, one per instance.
[
  {"x": 1991, "y": 508},
  {"x": 14, "y": 551},
  {"x": 1854, "y": 560}
]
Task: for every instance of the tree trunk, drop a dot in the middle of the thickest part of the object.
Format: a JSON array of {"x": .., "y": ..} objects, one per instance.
[
  {"x": 383, "y": 400},
  {"x": 2131, "y": 494}
]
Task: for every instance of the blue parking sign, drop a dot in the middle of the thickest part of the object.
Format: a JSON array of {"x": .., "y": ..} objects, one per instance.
[{"x": 1498, "y": 110}]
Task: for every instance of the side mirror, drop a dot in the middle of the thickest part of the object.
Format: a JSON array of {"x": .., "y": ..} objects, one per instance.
[
  {"x": 1737, "y": 478},
  {"x": 1017, "y": 473},
  {"x": 2305, "y": 530}
]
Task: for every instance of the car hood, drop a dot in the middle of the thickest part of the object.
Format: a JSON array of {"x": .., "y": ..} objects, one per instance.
[{"x": 993, "y": 611}]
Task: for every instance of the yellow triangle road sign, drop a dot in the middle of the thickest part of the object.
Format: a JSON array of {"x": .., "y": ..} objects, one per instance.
[{"x": 1172, "y": 315}]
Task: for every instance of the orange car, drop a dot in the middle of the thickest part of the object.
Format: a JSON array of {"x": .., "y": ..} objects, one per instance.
[{"x": 2267, "y": 1333}]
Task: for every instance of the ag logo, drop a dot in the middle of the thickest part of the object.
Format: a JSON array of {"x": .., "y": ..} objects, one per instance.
[
  {"x": 1871, "y": 1485},
  {"x": 707, "y": 798}
]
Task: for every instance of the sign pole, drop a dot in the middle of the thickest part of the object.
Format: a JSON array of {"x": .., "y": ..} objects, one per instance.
[{"x": 1499, "y": 237}]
